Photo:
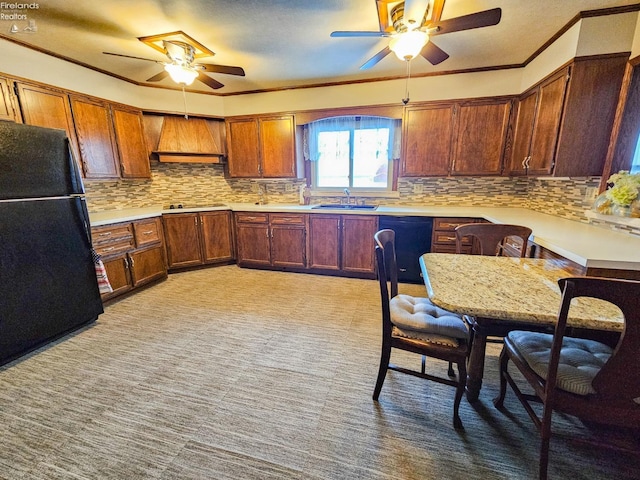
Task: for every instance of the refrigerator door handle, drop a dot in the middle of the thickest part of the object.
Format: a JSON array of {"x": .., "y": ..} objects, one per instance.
[{"x": 76, "y": 176}]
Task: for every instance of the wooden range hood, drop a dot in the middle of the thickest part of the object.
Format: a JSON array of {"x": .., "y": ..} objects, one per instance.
[{"x": 189, "y": 140}]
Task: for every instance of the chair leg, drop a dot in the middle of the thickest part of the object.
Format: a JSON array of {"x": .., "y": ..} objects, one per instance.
[
  {"x": 424, "y": 362},
  {"x": 385, "y": 356},
  {"x": 462, "y": 382},
  {"x": 545, "y": 433},
  {"x": 498, "y": 402},
  {"x": 450, "y": 372}
]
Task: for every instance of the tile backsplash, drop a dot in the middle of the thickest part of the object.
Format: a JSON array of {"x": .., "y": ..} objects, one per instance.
[{"x": 200, "y": 185}]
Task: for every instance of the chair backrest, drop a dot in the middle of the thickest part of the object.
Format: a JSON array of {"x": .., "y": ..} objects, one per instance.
[
  {"x": 618, "y": 382},
  {"x": 491, "y": 235},
  {"x": 387, "y": 273},
  {"x": 386, "y": 240}
]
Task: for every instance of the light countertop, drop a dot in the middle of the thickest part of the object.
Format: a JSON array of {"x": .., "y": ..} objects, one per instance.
[{"x": 585, "y": 244}]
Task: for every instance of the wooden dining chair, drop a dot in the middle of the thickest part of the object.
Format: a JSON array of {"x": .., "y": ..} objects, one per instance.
[
  {"x": 414, "y": 324},
  {"x": 491, "y": 236},
  {"x": 577, "y": 376}
]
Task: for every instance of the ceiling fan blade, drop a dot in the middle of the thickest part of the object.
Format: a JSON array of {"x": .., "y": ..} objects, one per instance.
[
  {"x": 158, "y": 76},
  {"x": 433, "y": 53},
  {"x": 136, "y": 58},
  {"x": 226, "y": 69},
  {"x": 468, "y": 22},
  {"x": 204, "y": 78},
  {"x": 359, "y": 34},
  {"x": 414, "y": 11},
  {"x": 376, "y": 58}
]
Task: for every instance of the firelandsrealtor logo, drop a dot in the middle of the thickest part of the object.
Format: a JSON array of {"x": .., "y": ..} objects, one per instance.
[{"x": 16, "y": 6}]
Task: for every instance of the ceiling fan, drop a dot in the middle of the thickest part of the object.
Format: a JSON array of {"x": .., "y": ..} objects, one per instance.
[
  {"x": 411, "y": 29},
  {"x": 181, "y": 67}
]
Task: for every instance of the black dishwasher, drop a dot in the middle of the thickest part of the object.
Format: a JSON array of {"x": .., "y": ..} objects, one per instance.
[{"x": 413, "y": 238}]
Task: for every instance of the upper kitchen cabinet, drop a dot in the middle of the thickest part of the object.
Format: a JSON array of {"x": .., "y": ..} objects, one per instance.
[
  {"x": 98, "y": 151},
  {"x": 262, "y": 146},
  {"x": 564, "y": 123},
  {"x": 427, "y": 132},
  {"x": 130, "y": 142},
  {"x": 8, "y": 104},
  {"x": 456, "y": 138},
  {"x": 480, "y": 137},
  {"x": 47, "y": 107}
]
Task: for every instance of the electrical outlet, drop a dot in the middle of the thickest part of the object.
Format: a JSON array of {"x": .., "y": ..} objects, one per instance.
[
  {"x": 590, "y": 194},
  {"x": 288, "y": 187},
  {"x": 254, "y": 188},
  {"x": 418, "y": 188}
]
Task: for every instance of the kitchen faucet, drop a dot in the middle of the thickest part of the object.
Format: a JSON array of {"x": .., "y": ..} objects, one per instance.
[{"x": 348, "y": 194}]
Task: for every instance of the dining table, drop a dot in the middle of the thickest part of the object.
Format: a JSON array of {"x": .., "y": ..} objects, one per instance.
[{"x": 500, "y": 294}]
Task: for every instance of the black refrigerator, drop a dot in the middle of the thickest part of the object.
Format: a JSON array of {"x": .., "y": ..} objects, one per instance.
[{"x": 48, "y": 283}]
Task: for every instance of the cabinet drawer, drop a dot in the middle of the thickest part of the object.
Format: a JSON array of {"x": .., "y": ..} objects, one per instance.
[
  {"x": 284, "y": 219},
  {"x": 146, "y": 232},
  {"x": 109, "y": 235},
  {"x": 114, "y": 248},
  {"x": 450, "y": 224},
  {"x": 246, "y": 217}
]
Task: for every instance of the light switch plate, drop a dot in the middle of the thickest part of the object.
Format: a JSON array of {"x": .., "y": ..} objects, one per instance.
[{"x": 418, "y": 188}]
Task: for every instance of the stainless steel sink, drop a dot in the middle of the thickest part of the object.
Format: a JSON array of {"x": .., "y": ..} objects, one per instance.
[{"x": 340, "y": 206}]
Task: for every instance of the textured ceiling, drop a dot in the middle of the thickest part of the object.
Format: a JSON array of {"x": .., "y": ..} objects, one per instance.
[{"x": 281, "y": 43}]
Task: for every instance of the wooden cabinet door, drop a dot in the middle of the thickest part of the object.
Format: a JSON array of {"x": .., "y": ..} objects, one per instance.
[
  {"x": 324, "y": 242},
  {"x": 277, "y": 146},
  {"x": 95, "y": 138},
  {"x": 547, "y": 124},
  {"x": 130, "y": 141},
  {"x": 252, "y": 240},
  {"x": 357, "y": 243},
  {"x": 182, "y": 239},
  {"x": 242, "y": 148},
  {"x": 217, "y": 238},
  {"x": 49, "y": 108},
  {"x": 8, "y": 105},
  {"x": 525, "y": 118},
  {"x": 288, "y": 246},
  {"x": 147, "y": 265},
  {"x": 427, "y": 136},
  {"x": 480, "y": 137},
  {"x": 118, "y": 274}
]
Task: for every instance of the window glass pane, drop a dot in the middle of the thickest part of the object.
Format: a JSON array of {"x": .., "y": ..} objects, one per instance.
[
  {"x": 333, "y": 160},
  {"x": 371, "y": 158}
]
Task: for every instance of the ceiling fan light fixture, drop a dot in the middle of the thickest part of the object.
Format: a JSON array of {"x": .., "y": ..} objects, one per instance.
[
  {"x": 181, "y": 74},
  {"x": 408, "y": 45}
]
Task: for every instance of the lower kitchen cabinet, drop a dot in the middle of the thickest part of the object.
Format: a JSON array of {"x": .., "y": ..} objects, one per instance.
[
  {"x": 198, "y": 238},
  {"x": 132, "y": 253},
  {"x": 444, "y": 237},
  {"x": 271, "y": 239},
  {"x": 342, "y": 243}
]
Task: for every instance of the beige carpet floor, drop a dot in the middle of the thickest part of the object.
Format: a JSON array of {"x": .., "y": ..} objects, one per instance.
[{"x": 229, "y": 373}]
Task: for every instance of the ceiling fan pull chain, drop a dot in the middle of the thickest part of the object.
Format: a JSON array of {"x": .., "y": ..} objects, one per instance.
[
  {"x": 405, "y": 100},
  {"x": 184, "y": 98}
]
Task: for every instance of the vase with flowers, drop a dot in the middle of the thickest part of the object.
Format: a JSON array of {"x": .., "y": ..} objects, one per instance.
[{"x": 622, "y": 197}]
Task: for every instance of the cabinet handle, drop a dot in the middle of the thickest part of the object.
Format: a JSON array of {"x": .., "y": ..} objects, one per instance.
[
  {"x": 108, "y": 249},
  {"x": 148, "y": 232},
  {"x": 126, "y": 263},
  {"x": 454, "y": 225},
  {"x": 450, "y": 239},
  {"x": 105, "y": 234},
  {"x": 132, "y": 262},
  {"x": 267, "y": 233}
]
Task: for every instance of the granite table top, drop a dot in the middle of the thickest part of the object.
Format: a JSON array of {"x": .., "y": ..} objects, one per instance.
[{"x": 515, "y": 289}]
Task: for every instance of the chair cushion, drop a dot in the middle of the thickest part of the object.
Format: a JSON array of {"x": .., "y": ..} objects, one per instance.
[
  {"x": 419, "y": 315},
  {"x": 580, "y": 359},
  {"x": 425, "y": 337}
]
